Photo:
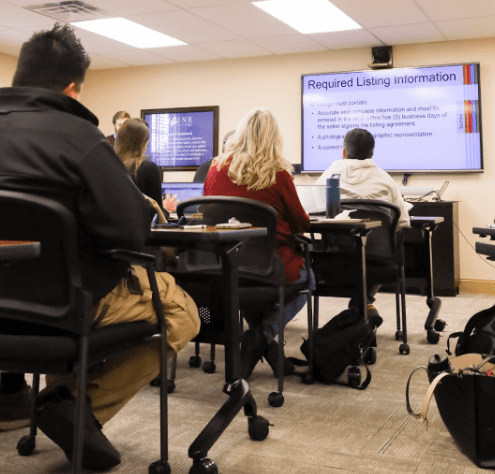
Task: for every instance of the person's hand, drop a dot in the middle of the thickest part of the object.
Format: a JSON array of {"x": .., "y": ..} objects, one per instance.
[
  {"x": 161, "y": 218},
  {"x": 170, "y": 203}
]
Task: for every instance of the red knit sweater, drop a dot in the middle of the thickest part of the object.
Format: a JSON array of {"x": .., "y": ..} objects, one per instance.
[{"x": 292, "y": 218}]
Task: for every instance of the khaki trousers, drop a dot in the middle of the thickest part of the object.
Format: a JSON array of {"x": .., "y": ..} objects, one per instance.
[{"x": 112, "y": 384}]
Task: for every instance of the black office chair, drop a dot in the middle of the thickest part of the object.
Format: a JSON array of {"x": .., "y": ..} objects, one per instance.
[
  {"x": 261, "y": 274},
  {"x": 336, "y": 263},
  {"x": 46, "y": 314}
]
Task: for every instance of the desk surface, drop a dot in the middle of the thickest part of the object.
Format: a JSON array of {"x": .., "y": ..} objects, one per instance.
[
  {"x": 18, "y": 250},
  {"x": 173, "y": 236},
  {"x": 344, "y": 225},
  {"x": 485, "y": 232},
  {"x": 417, "y": 221}
]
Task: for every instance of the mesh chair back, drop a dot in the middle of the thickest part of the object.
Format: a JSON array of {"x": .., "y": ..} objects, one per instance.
[
  {"x": 47, "y": 288},
  {"x": 258, "y": 257},
  {"x": 381, "y": 242}
]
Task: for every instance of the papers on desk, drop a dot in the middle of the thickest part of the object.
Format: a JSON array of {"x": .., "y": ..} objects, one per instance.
[
  {"x": 342, "y": 217},
  {"x": 336, "y": 219}
]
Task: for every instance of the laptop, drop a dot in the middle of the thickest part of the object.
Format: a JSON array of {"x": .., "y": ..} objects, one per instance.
[
  {"x": 183, "y": 191},
  {"x": 312, "y": 197},
  {"x": 440, "y": 192}
]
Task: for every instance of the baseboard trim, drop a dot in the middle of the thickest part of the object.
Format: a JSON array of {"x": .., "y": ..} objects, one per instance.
[{"x": 485, "y": 287}]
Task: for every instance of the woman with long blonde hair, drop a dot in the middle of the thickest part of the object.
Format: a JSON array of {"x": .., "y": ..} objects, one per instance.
[{"x": 252, "y": 166}]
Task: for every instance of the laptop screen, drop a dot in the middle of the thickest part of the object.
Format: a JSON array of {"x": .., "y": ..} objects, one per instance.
[
  {"x": 312, "y": 197},
  {"x": 183, "y": 191}
]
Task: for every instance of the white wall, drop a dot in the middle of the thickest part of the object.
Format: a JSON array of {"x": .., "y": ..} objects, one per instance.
[{"x": 274, "y": 82}]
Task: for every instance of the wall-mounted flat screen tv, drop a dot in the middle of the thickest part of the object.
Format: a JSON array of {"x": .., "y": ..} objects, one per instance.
[
  {"x": 182, "y": 138},
  {"x": 424, "y": 119}
]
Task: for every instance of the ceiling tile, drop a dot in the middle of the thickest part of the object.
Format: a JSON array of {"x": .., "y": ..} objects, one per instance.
[
  {"x": 235, "y": 49},
  {"x": 382, "y": 12},
  {"x": 244, "y": 19},
  {"x": 457, "y": 9},
  {"x": 407, "y": 34},
  {"x": 136, "y": 57},
  {"x": 288, "y": 44},
  {"x": 16, "y": 17},
  {"x": 186, "y": 53},
  {"x": 346, "y": 39},
  {"x": 205, "y": 3},
  {"x": 131, "y": 7},
  {"x": 185, "y": 26},
  {"x": 468, "y": 28},
  {"x": 101, "y": 62}
]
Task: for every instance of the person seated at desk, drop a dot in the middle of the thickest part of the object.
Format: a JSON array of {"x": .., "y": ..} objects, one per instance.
[
  {"x": 252, "y": 167},
  {"x": 130, "y": 145},
  {"x": 360, "y": 178},
  {"x": 51, "y": 146}
]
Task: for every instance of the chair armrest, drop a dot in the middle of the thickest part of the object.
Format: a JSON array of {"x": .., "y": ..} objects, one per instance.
[
  {"x": 130, "y": 256},
  {"x": 302, "y": 239}
]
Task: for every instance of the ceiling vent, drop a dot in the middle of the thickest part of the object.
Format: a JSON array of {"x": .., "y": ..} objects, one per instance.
[{"x": 69, "y": 11}]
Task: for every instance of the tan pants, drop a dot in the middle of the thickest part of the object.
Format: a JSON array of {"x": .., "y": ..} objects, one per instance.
[{"x": 113, "y": 384}]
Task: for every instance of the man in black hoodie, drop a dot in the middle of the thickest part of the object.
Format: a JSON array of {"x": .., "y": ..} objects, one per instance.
[{"x": 50, "y": 146}]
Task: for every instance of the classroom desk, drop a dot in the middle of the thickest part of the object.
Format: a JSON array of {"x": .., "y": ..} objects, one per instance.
[
  {"x": 18, "y": 250},
  {"x": 226, "y": 243},
  {"x": 358, "y": 229},
  {"x": 485, "y": 248}
]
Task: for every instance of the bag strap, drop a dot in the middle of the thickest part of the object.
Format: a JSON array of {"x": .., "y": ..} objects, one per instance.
[
  {"x": 477, "y": 320},
  {"x": 366, "y": 381},
  {"x": 427, "y": 398}
]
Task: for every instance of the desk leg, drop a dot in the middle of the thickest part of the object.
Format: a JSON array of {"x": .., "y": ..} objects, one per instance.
[
  {"x": 361, "y": 245},
  {"x": 432, "y": 302},
  {"x": 230, "y": 260},
  {"x": 237, "y": 389}
]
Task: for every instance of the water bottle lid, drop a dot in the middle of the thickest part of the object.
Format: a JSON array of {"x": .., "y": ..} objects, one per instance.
[{"x": 438, "y": 363}]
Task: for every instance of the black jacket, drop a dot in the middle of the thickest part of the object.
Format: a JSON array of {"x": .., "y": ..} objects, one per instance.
[{"x": 50, "y": 145}]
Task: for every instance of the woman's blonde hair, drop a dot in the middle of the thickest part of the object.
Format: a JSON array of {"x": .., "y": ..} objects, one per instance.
[
  {"x": 133, "y": 134},
  {"x": 256, "y": 149}
]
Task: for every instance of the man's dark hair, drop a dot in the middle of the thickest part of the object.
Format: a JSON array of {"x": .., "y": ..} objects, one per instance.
[
  {"x": 359, "y": 144},
  {"x": 52, "y": 60},
  {"x": 120, "y": 115}
]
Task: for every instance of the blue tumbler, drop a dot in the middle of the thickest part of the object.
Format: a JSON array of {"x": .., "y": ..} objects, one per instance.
[{"x": 333, "y": 196}]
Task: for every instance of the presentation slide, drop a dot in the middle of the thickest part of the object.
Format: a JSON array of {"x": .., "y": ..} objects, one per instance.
[
  {"x": 423, "y": 119},
  {"x": 182, "y": 139}
]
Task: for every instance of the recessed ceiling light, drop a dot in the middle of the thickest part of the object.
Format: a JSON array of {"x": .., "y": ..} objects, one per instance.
[
  {"x": 128, "y": 32},
  {"x": 309, "y": 16}
]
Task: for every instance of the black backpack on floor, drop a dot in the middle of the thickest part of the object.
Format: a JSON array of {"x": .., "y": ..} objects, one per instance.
[
  {"x": 478, "y": 335},
  {"x": 340, "y": 343}
]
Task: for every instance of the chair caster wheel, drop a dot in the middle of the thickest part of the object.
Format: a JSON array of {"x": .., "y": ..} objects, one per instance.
[
  {"x": 258, "y": 428},
  {"x": 432, "y": 336},
  {"x": 307, "y": 379},
  {"x": 159, "y": 467},
  {"x": 404, "y": 349},
  {"x": 204, "y": 466},
  {"x": 370, "y": 356},
  {"x": 399, "y": 335},
  {"x": 170, "y": 385},
  {"x": 155, "y": 382},
  {"x": 276, "y": 399},
  {"x": 440, "y": 325},
  {"x": 195, "y": 361},
  {"x": 209, "y": 367},
  {"x": 26, "y": 445}
]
